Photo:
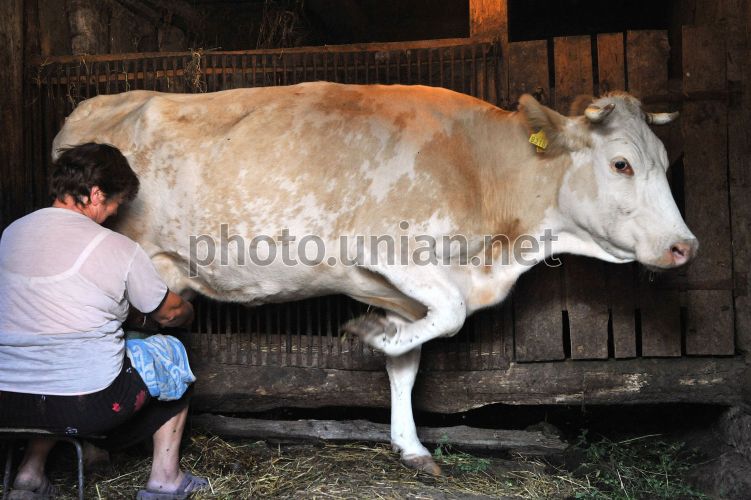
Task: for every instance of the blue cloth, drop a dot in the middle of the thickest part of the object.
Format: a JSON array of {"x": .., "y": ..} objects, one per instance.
[{"x": 162, "y": 363}]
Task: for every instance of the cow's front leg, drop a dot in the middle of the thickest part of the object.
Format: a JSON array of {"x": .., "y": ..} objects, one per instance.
[
  {"x": 402, "y": 371},
  {"x": 445, "y": 304}
]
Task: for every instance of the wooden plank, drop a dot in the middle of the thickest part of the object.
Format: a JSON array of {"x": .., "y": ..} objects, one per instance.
[
  {"x": 739, "y": 149},
  {"x": 704, "y": 59},
  {"x": 705, "y": 131},
  {"x": 611, "y": 65},
  {"x": 528, "y": 71},
  {"x": 660, "y": 310},
  {"x": 573, "y": 70},
  {"x": 586, "y": 300},
  {"x": 243, "y": 388},
  {"x": 525, "y": 442},
  {"x": 620, "y": 279},
  {"x": 584, "y": 279},
  {"x": 622, "y": 300},
  {"x": 710, "y": 322},
  {"x": 488, "y": 17},
  {"x": 538, "y": 316},
  {"x": 54, "y": 35},
  {"x": 647, "y": 54},
  {"x": 13, "y": 179},
  {"x": 537, "y": 308}
]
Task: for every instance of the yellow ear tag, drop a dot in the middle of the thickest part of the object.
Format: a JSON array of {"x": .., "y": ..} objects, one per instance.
[{"x": 540, "y": 140}]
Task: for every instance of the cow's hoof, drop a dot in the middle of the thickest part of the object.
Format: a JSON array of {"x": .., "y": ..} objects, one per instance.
[
  {"x": 423, "y": 463},
  {"x": 371, "y": 328}
]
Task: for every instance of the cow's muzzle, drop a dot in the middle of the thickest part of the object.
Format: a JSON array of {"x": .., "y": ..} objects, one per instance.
[{"x": 681, "y": 252}]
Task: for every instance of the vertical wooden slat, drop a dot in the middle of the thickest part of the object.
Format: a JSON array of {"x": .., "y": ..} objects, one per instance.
[
  {"x": 13, "y": 177},
  {"x": 586, "y": 301},
  {"x": 710, "y": 313},
  {"x": 611, "y": 66},
  {"x": 538, "y": 326},
  {"x": 538, "y": 319},
  {"x": 647, "y": 60},
  {"x": 739, "y": 148},
  {"x": 584, "y": 279},
  {"x": 573, "y": 70},
  {"x": 621, "y": 297},
  {"x": 529, "y": 72}
]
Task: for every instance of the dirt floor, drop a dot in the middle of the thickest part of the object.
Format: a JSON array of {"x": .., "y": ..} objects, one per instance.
[{"x": 690, "y": 461}]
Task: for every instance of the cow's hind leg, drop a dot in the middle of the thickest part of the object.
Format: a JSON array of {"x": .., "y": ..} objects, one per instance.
[{"x": 402, "y": 371}]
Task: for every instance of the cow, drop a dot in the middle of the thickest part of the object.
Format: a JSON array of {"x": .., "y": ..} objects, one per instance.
[{"x": 310, "y": 168}]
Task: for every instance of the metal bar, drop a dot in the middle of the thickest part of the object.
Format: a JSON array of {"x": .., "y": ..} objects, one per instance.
[
  {"x": 327, "y": 49},
  {"x": 430, "y": 67}
]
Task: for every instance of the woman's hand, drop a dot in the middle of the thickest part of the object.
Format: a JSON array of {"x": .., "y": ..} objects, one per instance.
[{"x": 174, "y": 312}]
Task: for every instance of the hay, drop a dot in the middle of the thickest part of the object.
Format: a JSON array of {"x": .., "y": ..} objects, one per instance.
[
  {"x": 246, "y": 469},
  {"x": 193, "y": 75}
]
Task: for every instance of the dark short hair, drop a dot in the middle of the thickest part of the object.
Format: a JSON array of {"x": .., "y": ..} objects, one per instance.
[{"x": 79, "y": 168}]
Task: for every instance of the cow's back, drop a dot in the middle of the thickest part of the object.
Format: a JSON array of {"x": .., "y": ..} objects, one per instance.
[{"x": 321, "y": 156}]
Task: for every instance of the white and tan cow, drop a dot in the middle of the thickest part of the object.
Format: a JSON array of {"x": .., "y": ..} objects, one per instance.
[{"x": 332, "y": 162}]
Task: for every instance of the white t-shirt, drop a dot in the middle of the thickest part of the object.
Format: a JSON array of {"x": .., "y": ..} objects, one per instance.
[{"x": 65, "y": 285}]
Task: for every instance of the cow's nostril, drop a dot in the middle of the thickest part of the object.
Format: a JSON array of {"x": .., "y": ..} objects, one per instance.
[{"x": 681, "y": 252}]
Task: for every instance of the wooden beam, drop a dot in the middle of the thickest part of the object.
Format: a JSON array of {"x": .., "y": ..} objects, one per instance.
[
  {"x": 244, "y": 388},
  {"x": 13, "y": 179},
  {"x": 461, "y": 436}
]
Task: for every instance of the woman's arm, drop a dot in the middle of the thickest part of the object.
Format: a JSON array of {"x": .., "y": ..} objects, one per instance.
[{"x": 173, "y": 312}]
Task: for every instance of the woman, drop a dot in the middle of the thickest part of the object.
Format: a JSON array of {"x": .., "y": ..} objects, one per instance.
[{"x": 66, "y": 284}]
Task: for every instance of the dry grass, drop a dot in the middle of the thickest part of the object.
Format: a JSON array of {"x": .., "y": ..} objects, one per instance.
[{"x": 247, "y": 469}]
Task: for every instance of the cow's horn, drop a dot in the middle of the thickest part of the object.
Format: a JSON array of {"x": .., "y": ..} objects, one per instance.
[
  {"x": 596, "y": 114},
  {"x": 661, "y": 118}
]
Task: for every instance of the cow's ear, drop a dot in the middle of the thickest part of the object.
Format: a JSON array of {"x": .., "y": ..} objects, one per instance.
[{"x": 562, "y": 133}]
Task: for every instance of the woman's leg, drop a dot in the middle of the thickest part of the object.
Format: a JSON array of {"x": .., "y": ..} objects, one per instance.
[
  {"x": 30, "y": 475},
  {"x": 165, "y": 468}
]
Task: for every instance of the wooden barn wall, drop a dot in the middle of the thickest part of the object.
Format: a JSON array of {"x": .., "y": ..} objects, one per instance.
[{"x": 648, "y": 338}]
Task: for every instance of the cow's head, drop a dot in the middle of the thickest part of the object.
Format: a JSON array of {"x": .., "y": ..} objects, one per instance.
[{"x": 616, "y": 191}]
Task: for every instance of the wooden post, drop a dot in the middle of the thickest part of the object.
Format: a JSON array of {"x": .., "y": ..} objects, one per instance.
[
  {"x": 739, "y": 149},
  {"x": 13, "y": 181},
  {"x": 705, "y": 129},
  {"x": 490, "y": 18}
]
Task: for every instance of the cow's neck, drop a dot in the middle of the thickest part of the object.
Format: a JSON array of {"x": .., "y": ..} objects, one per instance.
[{"x": 519, "y": 188}]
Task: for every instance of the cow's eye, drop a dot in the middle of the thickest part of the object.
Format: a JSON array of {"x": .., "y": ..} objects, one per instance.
[{"x": 622, "y": 166}]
